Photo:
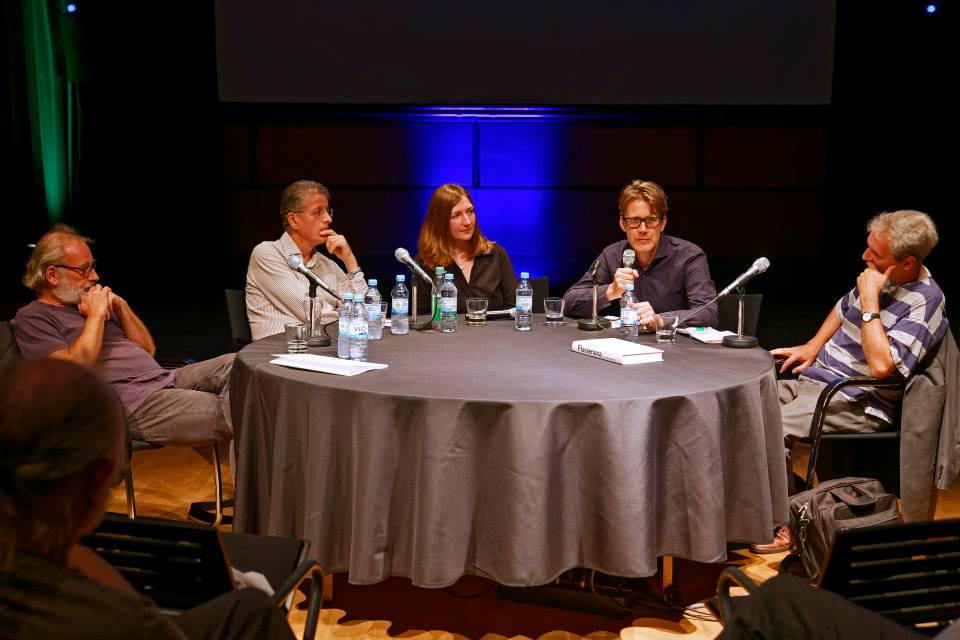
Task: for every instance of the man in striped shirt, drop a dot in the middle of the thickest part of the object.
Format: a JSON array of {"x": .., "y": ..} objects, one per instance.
[
  {"x": 276, "y": 294},
  {"x": 883, "y": 327}
]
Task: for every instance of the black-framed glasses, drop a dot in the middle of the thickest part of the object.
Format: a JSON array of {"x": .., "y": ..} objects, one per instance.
[
  {"x": 634, "y": 223},
  {"x": 84, "y": 270}
]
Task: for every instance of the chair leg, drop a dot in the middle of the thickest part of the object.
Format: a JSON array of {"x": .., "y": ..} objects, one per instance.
[
  {"x": 131, "y": 497},
  {"x": 218, "y": 485}
]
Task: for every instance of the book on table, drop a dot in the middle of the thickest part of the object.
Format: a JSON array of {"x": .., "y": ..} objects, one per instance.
[{"x": 617, "y": 350}]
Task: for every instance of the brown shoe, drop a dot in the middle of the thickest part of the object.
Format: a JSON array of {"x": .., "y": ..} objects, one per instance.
[{"x": 782, "y": 541}]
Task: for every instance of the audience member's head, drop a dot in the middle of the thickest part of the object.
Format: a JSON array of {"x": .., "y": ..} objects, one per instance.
[
  {"x": 451, "y": 222},
  {"x": 61, "y": 264},
  {"x": 911, "y": 233},
  {"x": 62, "y": 447}
]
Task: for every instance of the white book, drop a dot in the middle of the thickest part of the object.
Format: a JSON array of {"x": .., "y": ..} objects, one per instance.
[{"x": 617, "y": 350}]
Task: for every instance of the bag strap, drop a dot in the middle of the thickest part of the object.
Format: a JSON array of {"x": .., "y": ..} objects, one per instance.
[{"x": 856, "y": 496}]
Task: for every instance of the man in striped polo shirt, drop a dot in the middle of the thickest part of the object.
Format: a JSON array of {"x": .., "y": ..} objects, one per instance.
[
  {"x": 276, "y": 293},
  {"x": 883, "y": 327}
]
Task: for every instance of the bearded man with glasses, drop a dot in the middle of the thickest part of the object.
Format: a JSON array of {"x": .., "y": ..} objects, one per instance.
[
  {"x": 77, "y": 319},
  {"x": 669, "y": 274}
]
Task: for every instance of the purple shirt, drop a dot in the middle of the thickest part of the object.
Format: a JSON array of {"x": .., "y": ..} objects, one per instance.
[
  {"x": 133, "y": 374},
  {"x": 678, "y": 279},
  {"x": 912, "y": 314}
]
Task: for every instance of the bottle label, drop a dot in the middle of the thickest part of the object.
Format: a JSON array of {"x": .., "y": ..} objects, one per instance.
[
  {"x": 524, "y": 303},
  {"x": 359, "y": 330},
  {"x": 400, "y": 305},
  {"x": 448, "y": 305},
  {"x": 628, "y": 316},
  {"x": 373, "y": 311},
  {"x": 344, "y": 328}
]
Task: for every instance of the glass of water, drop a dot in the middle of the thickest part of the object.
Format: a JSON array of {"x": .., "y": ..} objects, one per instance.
[
  {"x": 296, "y": 337},
  {"x": 667, "y": 326},
  {"x": 553, "y": 309},
  {"x": 477, "y": 311}
]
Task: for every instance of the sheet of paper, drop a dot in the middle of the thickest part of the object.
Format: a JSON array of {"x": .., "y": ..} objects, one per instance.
[
  {"x": 324, "y": 364},
  {"x": 705, "y": 334}
]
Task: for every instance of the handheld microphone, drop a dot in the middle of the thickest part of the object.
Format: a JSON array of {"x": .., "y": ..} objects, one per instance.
[
  {"x": 759, "y": 266},
  {"x": 629, "y": 258},
  {"x": 295, "y": 262},
  {"x": 403, "y": 256}
]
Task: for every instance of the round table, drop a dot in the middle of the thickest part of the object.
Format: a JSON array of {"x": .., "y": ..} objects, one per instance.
[{"x": 502, "y": 453}]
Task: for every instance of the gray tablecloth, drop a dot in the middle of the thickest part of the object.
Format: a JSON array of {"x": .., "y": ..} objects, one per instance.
[{"x": 505, "y": 454}]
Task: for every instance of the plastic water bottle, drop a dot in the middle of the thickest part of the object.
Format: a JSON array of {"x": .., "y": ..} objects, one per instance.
[
  {"x": 343, "y": 329},
  {"x": 524, "y": 313},
  {"x": 628, "y": 313},
  {"x": 400, "y": 308},
  {"x": 448, "y": 305},
  {"x": 358, "y": 330},
  {"x": 371, "y": 300},
  {"x": 438, "y": 280}
]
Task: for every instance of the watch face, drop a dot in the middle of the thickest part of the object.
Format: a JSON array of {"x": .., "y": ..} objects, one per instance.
[{"x": 869, "y": 315}]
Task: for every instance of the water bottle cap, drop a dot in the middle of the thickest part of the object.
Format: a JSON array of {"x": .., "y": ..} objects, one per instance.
[
  {"x": 524, "y": 275},
  {"x": 629, "y": 287},
  {"x": 401, "y": 278},
  {"x": 449, "y": 276},
  {"x": 440, "y": 270},
  {"x": 372, "y": 282},
  {"x": 347, "y": 296}
]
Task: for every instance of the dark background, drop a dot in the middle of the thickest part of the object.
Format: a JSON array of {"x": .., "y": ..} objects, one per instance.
[{"x": 177, "y": 187}]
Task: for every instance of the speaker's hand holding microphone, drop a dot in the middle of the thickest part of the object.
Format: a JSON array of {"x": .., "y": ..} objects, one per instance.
[{"x": 623, "y": 276}]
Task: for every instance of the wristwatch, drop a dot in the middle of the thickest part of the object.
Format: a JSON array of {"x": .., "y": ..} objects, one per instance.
[{"x": 869, "y": 315}]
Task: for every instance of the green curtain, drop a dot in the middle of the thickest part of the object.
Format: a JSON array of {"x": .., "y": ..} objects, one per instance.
[{"x": 49, "y": 103}]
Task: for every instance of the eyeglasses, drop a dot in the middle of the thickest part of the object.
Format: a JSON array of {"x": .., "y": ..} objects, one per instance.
[
  {"x": 84, "y": 270},
  {"x": 470, "y": 213},
  {"x": 319, "y": 213},
  {"x": 634, "y": 223}
]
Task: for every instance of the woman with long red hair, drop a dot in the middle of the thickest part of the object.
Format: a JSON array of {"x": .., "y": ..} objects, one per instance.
[{"x": 450, "y": 238}]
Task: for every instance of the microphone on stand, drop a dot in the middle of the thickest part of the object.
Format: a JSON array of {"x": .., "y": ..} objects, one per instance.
[
  {"x": 403, "y": 256},
  {"x": 594, "y": 323},
  {"x": 295, "y": 262},
  {"x": 759, "y": 266},
  {"x": 738, "y": 341}
]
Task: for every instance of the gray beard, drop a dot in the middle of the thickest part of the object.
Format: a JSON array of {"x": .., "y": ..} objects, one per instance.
[{"x": 68, "y": 293}]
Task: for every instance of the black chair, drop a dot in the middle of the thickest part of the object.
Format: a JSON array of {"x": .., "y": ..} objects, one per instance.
[
  {"x": 873, "y": 455},
  {"x": 9, "y": 352},
  {"x": 180, "y": 565},
  {"x": 239, "y": 323},
  {"x": 541, "y": 290},
  {"x": 727, "y": 307},
  {"x": 909, "y": 573}
]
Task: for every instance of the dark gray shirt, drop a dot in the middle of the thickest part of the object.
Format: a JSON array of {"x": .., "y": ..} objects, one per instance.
[
  {"x": 678, "y": 279},
  {"x": 133, "y": 374}
]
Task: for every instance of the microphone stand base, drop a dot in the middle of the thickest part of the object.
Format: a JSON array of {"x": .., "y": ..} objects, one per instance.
[
  {"x": 421, "y": 325},
  {"x": 740, "y": 342},
  {"x": 318, "y": 341},
  {"x": 588, "y": 324}
]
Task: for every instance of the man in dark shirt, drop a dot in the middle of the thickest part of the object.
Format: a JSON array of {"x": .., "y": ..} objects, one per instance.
[
  {"x": 669, "y": 274},
  {"x": 74, "y": 318}
]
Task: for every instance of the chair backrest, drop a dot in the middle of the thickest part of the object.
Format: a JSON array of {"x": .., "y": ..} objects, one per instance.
[
  {"x": 239, "y": 324},
  {"x": 541, "y": 290},
  {"x": 909, "y": 573},
  {"x": 9, "y": 351},
  {"x": 727, "y": 308},
  {"x": 178, "y": 564}
]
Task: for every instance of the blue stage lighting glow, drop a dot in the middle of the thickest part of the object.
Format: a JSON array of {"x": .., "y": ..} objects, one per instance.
[
  {"x": 71, "y": 8},
  {"x": 931, "y": 8}
]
